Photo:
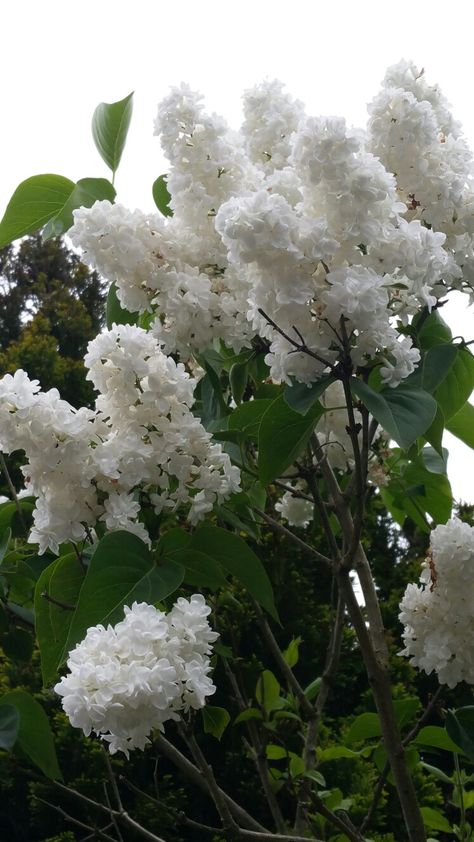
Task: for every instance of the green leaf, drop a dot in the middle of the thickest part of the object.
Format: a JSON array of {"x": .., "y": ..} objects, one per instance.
[
  {"x": 301, "y": 397},
  {"x": 282, "y": 436},
  {"x": 364, "y": 727},
  {"x": 336, "y": 752},
  {"x": 438, "y": 773},
  {"x": 237, "y": 558},
  {"x": 405, "y": 414},
  {"x": 456, "y": 388},
  {"x": 275, "y": 752},
  {"x": 161, "y": 195},
  {"x": 250, "y": 713},
  {"x": 312, "y": 690},
  {"x": 4, "y": 542},
  {"x": 433, "y": 736},
  {"x": 434, "y": 462},
  {"x": 121, "y": 571},
  {"x": 35, "y": 737},
  {"x": 17, "y": 644},
  {"x": 433, "y": 330},
  {"x": 315, "y": 776},
  {"x": 460, "y": 727},
  {"x": 110, "y": 124},
  {"x": 247, "y": 417},
  {"x": 291, "y": 653},
  {"x": 115, "y": 313},
  {"x": 34, "y": 202},
  {"x": 461, "y": 424},
  {"x": 9, "y": 726},
  {"x": 238, "y": 376},
  {"x": 84, "y": 194},
  {"x": 405, "y": 710},
  {"x": 267, "y": 691},
  {"x": 434, "y": 433},
  {"x": 61, "y": 581},
  {"x": 436, "y": 365},
  {"x": 435, "y": 820},
  {"x": 202, "y": 570},
  {"x": 215, "y": 720}
]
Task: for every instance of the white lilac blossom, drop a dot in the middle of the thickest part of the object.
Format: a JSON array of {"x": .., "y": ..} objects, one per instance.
[
  {"x": 125, "y": 681},
  {"x": 438, "y": 614},
  {"x": 88, "y": 465},
  {"x": 301, "y": 218}
]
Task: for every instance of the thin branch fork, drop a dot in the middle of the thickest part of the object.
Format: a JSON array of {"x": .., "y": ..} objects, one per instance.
[{"x": 300, "y": 346}]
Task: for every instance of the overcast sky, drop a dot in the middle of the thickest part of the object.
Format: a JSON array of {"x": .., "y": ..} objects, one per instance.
[{"x": 59, "y": 59}]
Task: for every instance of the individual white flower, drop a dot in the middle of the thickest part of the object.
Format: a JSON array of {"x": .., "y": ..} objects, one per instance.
[
  {"x": 127, "y": 680},
  {"x": 438, "y": 614},
  {"x": 296, "y": 510}
]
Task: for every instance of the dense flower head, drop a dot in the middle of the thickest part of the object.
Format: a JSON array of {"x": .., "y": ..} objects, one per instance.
[
  {"x": 126, "y": 680},
  {"x": 88, "y": 465},
  {"x": 302, "y": 218},
  {"x": 438, "y": 614}
]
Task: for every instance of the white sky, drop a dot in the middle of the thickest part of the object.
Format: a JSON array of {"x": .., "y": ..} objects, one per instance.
[{"x": 59, "y": 59}]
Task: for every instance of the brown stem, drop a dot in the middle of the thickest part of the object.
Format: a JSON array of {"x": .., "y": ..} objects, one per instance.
[
  {"x": 121, "y": 815},
  {"x": 228, "y": 822},
  {"x": 12, "y": 490},
  {"x": 309, "y": 754},
  {"x": 379, "y": 680},
  {"x": 282, "y": 530},
  {"x": 258, "y": 753},
  {"x": 300, "y": 346},
  {"x": 193, "y": 774}
]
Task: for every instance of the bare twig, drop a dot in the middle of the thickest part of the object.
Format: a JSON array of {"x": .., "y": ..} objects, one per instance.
[
  {"x": 283, "y": 666},
  {"x": 309, "y": 755},
  {"x": 257, "y": 751},
  {"x": 94, "y": 831},
  {"x": 300, "y": 346},
  {"x": 121, "y": 815},
  {"x": 282, "y": 530},
  {"x": 193, "y": 774},
  {"x": 229, "y": 824},
  {"x": 12, "y": 488}
]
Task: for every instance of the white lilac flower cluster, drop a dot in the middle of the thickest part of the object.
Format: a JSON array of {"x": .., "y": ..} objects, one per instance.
[
  {"x": 142, "y": 438},
  {"x": 337, "y": 235},
  {"x": 438, "y": 615},
  {"x": 124, "y": 681}
]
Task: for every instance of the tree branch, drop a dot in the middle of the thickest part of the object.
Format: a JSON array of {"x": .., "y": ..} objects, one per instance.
[{"x": 193, "y": 774}]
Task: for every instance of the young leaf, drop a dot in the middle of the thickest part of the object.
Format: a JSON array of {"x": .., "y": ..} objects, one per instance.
[
  {"x": 5, "y": 539},
  {"x": 457, "y": 386},
  {"x": 61, "y": 582},
  {"x": 435, "y": 820},
  {"x": 291, "y": 653},
  {"x": 115, "y": 313},
  {"x": 121, "y": 571},
  {"x": 110, "y": 124},
  {"x": 35, "y": 737},
  {"x": 282, "y": 435},
  {"x": 433, "y": 736},
  {"x": 405, "y": 414},
  {"x": 461, "y": 425},
  {"x": 34, "y": 202},
  {"x": 437, "y": 364},
  {"x": 161, "y": 196},
  {"x": 9, "y": 726},
  {"x": 250, "y": 713},
  {"x": 215, "y": 720},
  {"x": 235, "y": 556},
  {"x": 364, "y": 727},
  {"x": 301, "y": 397},
  {"x": 84, "y": 194},
  {"x": 460, "y": 727},
  {"x": 267, "y": 691}
]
